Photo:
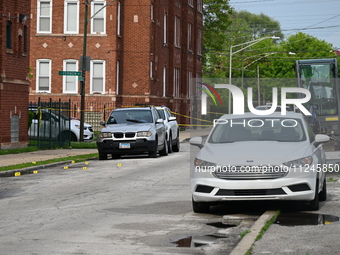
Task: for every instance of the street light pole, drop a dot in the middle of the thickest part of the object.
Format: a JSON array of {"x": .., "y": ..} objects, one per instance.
[
  {"x": 82, "y": 82},
  {"x": 250, "y": 43}
]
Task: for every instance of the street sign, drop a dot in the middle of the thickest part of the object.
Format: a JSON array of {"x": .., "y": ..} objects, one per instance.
[{"x": 73, "y": 73}]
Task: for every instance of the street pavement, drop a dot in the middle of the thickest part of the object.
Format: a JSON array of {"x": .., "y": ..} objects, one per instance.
[{"x": 42, "y": 155}]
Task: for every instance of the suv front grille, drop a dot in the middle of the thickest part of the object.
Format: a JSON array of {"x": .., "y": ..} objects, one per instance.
[
  {"x": 121, "y": 135},
  {"x": 251, "y": 172}
]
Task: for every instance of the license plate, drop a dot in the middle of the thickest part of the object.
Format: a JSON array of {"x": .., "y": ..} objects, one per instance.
[{"x": 124, "y": 146}]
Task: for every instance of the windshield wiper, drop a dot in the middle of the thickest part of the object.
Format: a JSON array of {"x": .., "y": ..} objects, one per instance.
[{"x": 137, "y": 121}]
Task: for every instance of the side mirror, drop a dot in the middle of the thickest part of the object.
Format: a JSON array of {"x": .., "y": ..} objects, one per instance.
[
  {"x": 159, "y": 121},
  {"x": 321, "y": 138},
  {"x": 172, "y": 118},
  {"x": 196, "y": 141},
  {"x": 102, "y": 123}
]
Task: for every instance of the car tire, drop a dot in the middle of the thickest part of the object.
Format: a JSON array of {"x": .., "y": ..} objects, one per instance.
[
  {"x": 153, "y": 153},
  {"x": 170, "y": 144},
  {"x": 176, "y": 146},
  {"x": 164, "y": 151},
  {"x": 73, "y": 137},
  {"x": 102, "y": 156},
  {"x": 200, "y": 207},
  {"x": 314, "y": 205},
  {"x": 323, "y": 193}
]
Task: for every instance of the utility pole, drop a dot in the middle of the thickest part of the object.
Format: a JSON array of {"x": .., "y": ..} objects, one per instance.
[{"x": 82, "y": 82}]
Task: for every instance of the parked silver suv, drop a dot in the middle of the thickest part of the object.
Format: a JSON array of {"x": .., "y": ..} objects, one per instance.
[{"x": 132, "y": 130}]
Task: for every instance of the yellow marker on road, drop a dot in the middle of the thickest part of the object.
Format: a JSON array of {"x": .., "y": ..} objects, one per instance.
[
  {"x": 35, "y": 172},
  {"x": 73, "y": 162},
  {"x": 17, "y": 174},
  {"x": 119, "y": 164},
  {"x": 86, "y": 162},
  {"x": 84, "y": 168},
  {"x": 65, "y": 167}
]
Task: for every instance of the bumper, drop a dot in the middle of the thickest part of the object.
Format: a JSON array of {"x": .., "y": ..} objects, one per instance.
[
  {"x": 216, "y": 190},
  {"x": 135, "y": 146}
]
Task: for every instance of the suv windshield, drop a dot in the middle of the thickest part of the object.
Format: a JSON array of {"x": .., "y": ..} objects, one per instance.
[
  {"x": 130, "y": 116},
  {"x": 260, "y": 129}
]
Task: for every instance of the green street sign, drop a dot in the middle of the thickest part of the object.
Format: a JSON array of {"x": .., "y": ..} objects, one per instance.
[{"x": 73, "y": 73}]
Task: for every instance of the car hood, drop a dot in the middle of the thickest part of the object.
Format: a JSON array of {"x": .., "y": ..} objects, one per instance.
[
  {"x": 254, "y": 153},
  {"x": 133, "y": 127},
  {"x": 77, "y": 122}
]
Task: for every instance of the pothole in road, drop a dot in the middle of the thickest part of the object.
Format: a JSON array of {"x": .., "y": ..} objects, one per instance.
[
  {"x": 197, "y": 241},
  {"x": 299, "y": 219},
  {"x": 220, "y": 225}
]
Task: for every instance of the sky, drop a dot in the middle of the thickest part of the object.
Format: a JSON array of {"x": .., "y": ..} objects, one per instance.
[{"x": 319, "y": 18}]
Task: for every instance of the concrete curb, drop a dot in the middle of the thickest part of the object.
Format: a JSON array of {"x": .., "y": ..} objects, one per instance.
[{"x": 249, "y": 239}]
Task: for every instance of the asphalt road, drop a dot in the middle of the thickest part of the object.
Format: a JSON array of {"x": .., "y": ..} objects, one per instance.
[{"x": 129, "y": 206}]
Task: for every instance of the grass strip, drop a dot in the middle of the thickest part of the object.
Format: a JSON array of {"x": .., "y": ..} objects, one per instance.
[
  {"x": 264, "y": 229},
  {"x": 78, "y": 158}
]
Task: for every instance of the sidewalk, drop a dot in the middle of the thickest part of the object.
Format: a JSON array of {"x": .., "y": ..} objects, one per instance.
[{"x": 14, "y": 159}]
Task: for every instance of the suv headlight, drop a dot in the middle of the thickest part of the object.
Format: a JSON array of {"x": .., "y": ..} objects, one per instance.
[
  {"x": 144, "y": 134},
  {"x": 203, "y": 163},
  {"x": 301, "y": 162},
  {"x": 105, "y": 135}
]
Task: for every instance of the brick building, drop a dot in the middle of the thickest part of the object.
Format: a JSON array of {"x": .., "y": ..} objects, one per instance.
[
  {"x": 14, "y": 70},
  {"x": 141, "y": 52}
]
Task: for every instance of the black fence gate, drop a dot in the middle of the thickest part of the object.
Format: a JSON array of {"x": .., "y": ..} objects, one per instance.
[{"x": 49, "y": 124}]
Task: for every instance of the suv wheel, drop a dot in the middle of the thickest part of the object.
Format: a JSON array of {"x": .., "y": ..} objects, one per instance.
[
  {"x": 170, "y": 144},
  {"x": 153, "y": 153},
  {"x": 164, "y": 151},
  {"x": 200, "y": 207},
  {"x": 176, "y": 146},
  {"x": 314, "y": 204}
]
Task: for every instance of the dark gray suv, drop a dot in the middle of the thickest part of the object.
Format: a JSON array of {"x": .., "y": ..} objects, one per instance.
[{"x": 134, "y": 130}]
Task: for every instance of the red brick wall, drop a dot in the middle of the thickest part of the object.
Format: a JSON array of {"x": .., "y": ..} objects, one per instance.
[{"x": 14, "y": 69}]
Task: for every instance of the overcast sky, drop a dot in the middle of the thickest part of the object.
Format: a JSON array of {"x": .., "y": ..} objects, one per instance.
[{"x": 319, "y": 18}]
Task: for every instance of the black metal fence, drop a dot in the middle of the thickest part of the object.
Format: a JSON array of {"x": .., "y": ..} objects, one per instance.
[{"x": 49, "y": 124}]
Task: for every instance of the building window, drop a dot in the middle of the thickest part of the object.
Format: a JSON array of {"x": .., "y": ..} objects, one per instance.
[
  {"x": 119, "y": 19},
  {"x": 151, "y": 71},
  {"x": 14, "y": 128},
  {"x": 98, "y": 14},
  {"x": 44, "y": 16},
  {"x": 190, "y": 85},
  {"x": 97, "y": 76},
  {"x": 8, "y": 34},
  {"x": 177, "y": 31},
  {"x": 70, "y": 81},
  {"x": 177, "y": 80},
  {"x": 71, "y": 17},
  {"x": 25, "y": 39},
  {"x": 165, "y": 18},
  {"x": 199, "y": 42},
  {"x": 190, "y": 36},
  {"x": 200, "y": 5},
  {"x": 151, "y": 12},
  {"x": 164, "y": 81},
  {"x": 117, "y": 78},
  {"x": 43, "y": 75}
]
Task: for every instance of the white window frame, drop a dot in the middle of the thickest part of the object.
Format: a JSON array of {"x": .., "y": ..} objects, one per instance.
[
  {"x": 92, "y": 91},
  {"x": 119, "y": 13},
  {"x": 93, "y": 18},
  {"x": 38, "y": 61},
  {"x": 68, "y": 77},
  {"x": 177, "y": 31},
  {"x": 76, "y": 18},
  {"x": 190, "y": 26},
  {"x": 39, "y": 17},
  {"x": 200, "y": 6},
  {"x": 177, "y": 81},
  {"x": 164, "y": 81},
  {"x": 165, "y": 21},
  {"x": 199, "y": 42},
  {"x": 191, "y": 3},
  {"x": 190, "y": 84},
  {"x": 117, "y": 77}
]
